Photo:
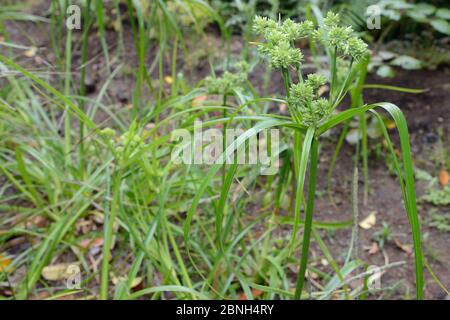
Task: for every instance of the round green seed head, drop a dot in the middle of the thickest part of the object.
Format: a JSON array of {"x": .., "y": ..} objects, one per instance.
[
  {"x": 316, "y": 80},
  {"x": 357, "y": 48},
  {"x": 331, "y": 20}
]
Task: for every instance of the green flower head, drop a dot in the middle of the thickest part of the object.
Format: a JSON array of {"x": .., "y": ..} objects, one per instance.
[
  {"x": 294, "y": 31},
  {"x": 108, "y": 132},
  {"x": 338, "y": 36},
  {"x": 301, "y": 93},
  {"x": 279, "y": 46},
  {"x": 229, "y": 80},
  {"x": 304, "y": 102},
  {"x": 357, "y": 48},
  {"x": 321, "y": 107},
  {"x": 316, "y": 80},
  {"x": 263, "y": 25},
  {"x": 284, "y": 55},
  {"x": 332, "y": 35},
  {"x": 331, "y": 20}
]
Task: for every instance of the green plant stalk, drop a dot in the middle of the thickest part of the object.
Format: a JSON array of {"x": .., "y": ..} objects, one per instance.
[
  {"x": 120, "y": 41},
  {"x": 333, "y": 74},
  {"x": 297, "y": 156},
  {"x": 286, "y": 81},
  {"x": 226, "y": 184},
  {"x": 178, "y": 256},
  {"x": 344, "y": 89},
  {"x": 407, "y": 186},
  {"x": 36, "y": 199},
  {"x": 56, "y": 24},
  {"x": 365, "y": 155},
  {"x": 108, "y": 234},
  {"x": 224, "y": 137},
  {"x": 174, "y": 85},
  {"x": 302, "y": 165},
  {"x": 67, "y": 83},
  {"x": 308, "y": 218},
  {"x": 84, "y": 46},
  {"x": 101, "y": 29},
  {"x": 141, "y": 54},
  {"x": 6, "y": 36}
]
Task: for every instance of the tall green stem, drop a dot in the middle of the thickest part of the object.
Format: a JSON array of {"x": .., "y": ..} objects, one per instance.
[
  {"x": 83, "y": 80},
  {"x": 286, "y": 79},
  {"x": 224, "y": 136},
  {"x": 333, "y": 74},
  {"x": 108, "y": 235},
  {"x": 67, "y": 83},
  {"x": 308, "y": 218}
]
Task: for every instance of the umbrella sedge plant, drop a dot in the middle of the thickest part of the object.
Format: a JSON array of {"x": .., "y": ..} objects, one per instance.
[
  {"x": 312, "y": 115},
  {"x": 152, "y": 229}
]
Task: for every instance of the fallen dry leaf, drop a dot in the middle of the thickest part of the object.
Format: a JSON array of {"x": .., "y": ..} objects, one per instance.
[
  {"x": 356, "y": 283},
  {"x": 369, "y": 221},
  {"x": 283, "y": 108},
  {"x": 136, "y": 281},
  {"x": 37, "y": 222},
  {"x": 373, "y": 249},
  {"x": 59, "y": 271},
  {"x": 4, "y": 262},
  {"x": 198, "y": 101},
  {"x": 40, "y": 296},
  {"x": 30, "y": 52},
  {"x": 168, "y": 79},
  {"x": 311, "y": 275},
  {"x": 322, "y": 90},
  {"x": 39, "y": 60},
  {"x": 85, "y": 225},
  {"x": 404, "y": 247},
  {"x": 391, "y": 124},
  {"x": 444, "y": 177},
  {"x": 90, "y": 243},
  {"x": 255, "y": 292}
]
